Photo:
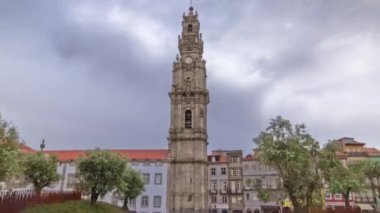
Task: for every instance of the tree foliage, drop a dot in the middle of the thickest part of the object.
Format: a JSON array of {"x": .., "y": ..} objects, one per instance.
[
  {"x": 41, "y": 170},
  {"x": 262, "y": 194},
  {"x": 100, "y": 172},
  {"x": 341, "y": 178},
  {"x": 370, "y": 169},
  {"x": 295, "y": 155},
  {"x": 10, "y": 154},
  {"x": 345, "y": 180},
  {"x": 130, "y": 186}
]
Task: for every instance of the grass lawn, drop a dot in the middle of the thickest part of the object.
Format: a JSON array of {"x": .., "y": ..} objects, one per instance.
[{"x": 80, "y": 206}]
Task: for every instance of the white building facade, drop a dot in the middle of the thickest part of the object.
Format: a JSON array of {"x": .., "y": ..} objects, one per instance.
[{"x": 151, "y": 164}]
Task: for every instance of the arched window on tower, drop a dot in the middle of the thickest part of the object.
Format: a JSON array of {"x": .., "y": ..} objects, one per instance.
[
  {"x": 190, "y": 28},
  {"x": 188, "y": 119}
]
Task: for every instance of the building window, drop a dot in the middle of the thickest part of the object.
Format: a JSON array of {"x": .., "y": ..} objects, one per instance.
[
  {"x": 188, "y": 119},
  {"x": 213, "y": 199},
  {"x": 235, "y": 171},
  {"x": 245, "y": 167},
  {"x": 248, "y": 196},
  {"x": 223, "y": 171},
  {"x": 239, "y": 199},
  {"x": 225, "y": 185},
  {"x": 327, "y": 195},
  {"x": 235, "y": 159},
  {"x": 71, "y": 181},
  {"x": 224, "y": 199},
  {"x": 338, "y": 196},
  {"x": 135, "y": 163},
  {"x": 157, "y": 201},
  {"x": 213, "y": 184},
  {"x": 189, "y": 28},
  {"x": 189, "y": 198},
  {"x": 146, "y": 178},
  {"x": 158, "y": 178},
  {"x": 237, "y": 186},
  {"x": 254, "y": 197},
  {"x": 146, "y": 163},
  {"x": 233, "y": 199},
  {"x": 144, "y": 201},
  {"x": 159, "y": 163},
  {"x": 213, "y": 171},
  {"x": 132, "y": 202}
]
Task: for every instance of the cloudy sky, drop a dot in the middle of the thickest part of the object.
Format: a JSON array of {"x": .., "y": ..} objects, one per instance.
[{"x": 95, "y": 73}]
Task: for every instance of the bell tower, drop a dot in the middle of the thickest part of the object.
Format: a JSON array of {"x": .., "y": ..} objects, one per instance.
[{"x": 187, "y": 181}]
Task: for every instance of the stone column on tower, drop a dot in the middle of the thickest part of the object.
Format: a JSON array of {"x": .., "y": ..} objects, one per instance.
[{"x": 187, "y": 181}]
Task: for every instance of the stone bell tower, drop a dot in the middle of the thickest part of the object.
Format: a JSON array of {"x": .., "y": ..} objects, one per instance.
[{"x": 187, "y": 181}]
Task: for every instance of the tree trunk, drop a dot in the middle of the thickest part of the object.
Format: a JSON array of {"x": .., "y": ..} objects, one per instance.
[
  {"x": 373, "y": 189},
  {"x": 38, "y": 190},
  {"x": 125, "y": 204},
  {"x": 299, "y": 209},
  {"x": 94, "y": 195},
  {"x": 346, "y": 197},
  {"x": 296, "y": 206}
]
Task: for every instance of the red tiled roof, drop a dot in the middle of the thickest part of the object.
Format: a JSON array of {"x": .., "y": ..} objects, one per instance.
[
  {"x": 350, "y": 141},
  {"x": 67, "y": 155},
  {"x": 26, "y": 149},
  {"x": 372, "y": 151},
  {"x": 153, "y": 154},
  {"x": 223, "y": 158},
  {"x": 249, "y": 157}
]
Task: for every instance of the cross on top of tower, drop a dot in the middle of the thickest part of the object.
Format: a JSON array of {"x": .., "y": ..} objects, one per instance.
[{"x": 191, "y": 5}]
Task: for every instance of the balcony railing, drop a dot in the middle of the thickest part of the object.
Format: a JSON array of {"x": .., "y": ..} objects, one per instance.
[
  {"x": 213, "y": 191},
  {"x": 223, "y": 191}
]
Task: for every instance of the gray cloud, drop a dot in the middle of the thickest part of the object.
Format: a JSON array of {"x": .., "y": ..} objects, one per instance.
[{"x": 93, "y": 73}]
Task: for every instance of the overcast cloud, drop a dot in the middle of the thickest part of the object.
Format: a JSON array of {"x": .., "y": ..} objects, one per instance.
[{"x": 94, "y": 73}]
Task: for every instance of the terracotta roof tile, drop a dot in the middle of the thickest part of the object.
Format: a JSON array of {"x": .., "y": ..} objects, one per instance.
[
  {"x": 223, "y": 158},
  {"x": 372, "y": 151},
  {"x": 26, "y": 149},
  {"x": 148, "y": 154},
  {"x": 67, "y": 155},
  {"x": 249, "y": 157},
  {"x": 151, "y": 154},
  {"x": 350, "y": 141}
]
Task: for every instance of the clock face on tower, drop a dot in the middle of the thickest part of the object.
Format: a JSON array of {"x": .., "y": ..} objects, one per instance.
[{"x": 188, "y": 60}]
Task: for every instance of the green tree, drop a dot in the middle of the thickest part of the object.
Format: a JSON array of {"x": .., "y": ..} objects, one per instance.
[
  {"x": 345, "y": 180},
  {"x": 100, "y": 172},
  {"x": 130, "y": 186},
  {"x": 328, "y": 159},
  {"x": 295, "y": 155},
  {"x": 262, "y": 194},
  {"x": 10, "y": 153},
  {"x": 41, "y": 170},
  {"x": 342, "y": 179},
  {"x": 371, "y": 171}
]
